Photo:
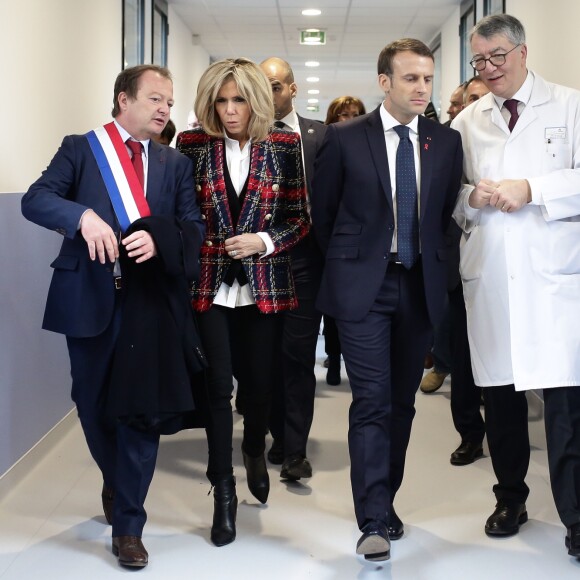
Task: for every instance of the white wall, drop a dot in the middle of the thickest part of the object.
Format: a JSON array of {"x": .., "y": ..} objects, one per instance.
[
  {"x": 552, "y": 37},
  {"x": 59, "y": 62}
]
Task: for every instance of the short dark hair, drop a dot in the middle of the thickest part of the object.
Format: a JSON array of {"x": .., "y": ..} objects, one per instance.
[
  {"x": 473, "y": 79},
  {"x": 385, "y": 64},
  {"x": 168, "y": 133},
  {"x": 128, "y": 82}
]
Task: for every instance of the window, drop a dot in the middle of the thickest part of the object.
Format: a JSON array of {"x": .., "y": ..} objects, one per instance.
[
  {"x": 493, "y": 7},
  {"x": 159, "y": 33},
  {"x": 133, "y": 32},
  {"x": 466, "y": 24}
]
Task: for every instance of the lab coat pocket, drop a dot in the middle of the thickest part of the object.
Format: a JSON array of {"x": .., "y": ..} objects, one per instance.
[
  {"x": 558, "y": 155},
  {"x": 471, "y": 258},
  {"x": 565, "y": 247}
]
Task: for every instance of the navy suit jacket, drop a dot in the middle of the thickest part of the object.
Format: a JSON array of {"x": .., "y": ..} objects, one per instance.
[
  {"x": 312, "y": 134},
  {"x": 353, "y": 218},
  {"x": 81, "y": 297}
]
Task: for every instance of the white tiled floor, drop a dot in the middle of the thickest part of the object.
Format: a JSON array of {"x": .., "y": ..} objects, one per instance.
[{"x": 51, "y": 525}]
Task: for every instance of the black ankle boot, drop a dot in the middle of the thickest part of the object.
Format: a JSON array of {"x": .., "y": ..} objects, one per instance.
[
  {"x": 225, "y": 506},
  {"x": 257, "y": 474},
  {"x": 333, "y": 374}
]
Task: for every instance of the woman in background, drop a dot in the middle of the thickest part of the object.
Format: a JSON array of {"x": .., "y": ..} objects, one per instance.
[{"x": 251, "y": 191}]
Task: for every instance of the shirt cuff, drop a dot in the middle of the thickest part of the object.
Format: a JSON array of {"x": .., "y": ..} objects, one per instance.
[
  {"x": 537, "y": 198},
  {"x": 269, "y": 245},
  {"x": 81, "y": 218}
]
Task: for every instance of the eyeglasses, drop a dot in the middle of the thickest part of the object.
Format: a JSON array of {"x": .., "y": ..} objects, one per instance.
[{"x": 495, "y": 59}]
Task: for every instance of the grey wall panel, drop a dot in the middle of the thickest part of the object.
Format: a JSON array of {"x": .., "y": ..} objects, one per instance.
[{"x": 34, "y": 367}]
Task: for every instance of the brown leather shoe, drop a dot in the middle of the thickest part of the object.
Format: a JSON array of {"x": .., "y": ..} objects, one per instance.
[
  {"x": 108, "y": 495},
  {"x": 130, "y": 551}
]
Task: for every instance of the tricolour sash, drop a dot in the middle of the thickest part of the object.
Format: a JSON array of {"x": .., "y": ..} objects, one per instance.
[{"x": 125, "y": 190}]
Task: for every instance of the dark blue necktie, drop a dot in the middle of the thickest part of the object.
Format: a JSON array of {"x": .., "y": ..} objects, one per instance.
[{"x": 407, "y": 221}]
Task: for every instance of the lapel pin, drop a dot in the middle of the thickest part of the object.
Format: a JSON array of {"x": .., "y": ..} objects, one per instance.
[{"x": 310, "y": 131}]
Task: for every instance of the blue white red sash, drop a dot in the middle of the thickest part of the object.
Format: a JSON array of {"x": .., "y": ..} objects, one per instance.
[{"x": 125, "y": 190}]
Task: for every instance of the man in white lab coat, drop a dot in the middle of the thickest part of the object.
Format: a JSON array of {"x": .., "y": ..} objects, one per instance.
[{"x": 520, "y": 265}]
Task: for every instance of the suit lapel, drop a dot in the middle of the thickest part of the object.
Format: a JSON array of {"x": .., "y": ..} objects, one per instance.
[
  {"x": 156, "y": 166},
  {"x": 308, "y": 136},
  {"x": 259, "y": 154},
  {"x": 376, "y": 137},
  {"x": 216, "y": 160},
  {"x": 426, "y": 151}
]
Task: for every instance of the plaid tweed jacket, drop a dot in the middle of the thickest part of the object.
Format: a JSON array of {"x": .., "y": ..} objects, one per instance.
[{"x": 275, "y": 203}]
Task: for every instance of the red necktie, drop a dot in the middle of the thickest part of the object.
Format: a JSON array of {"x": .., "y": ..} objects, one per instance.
[
  {"x": 512, "y": 106},
  {"x": 137, "y": 161}
]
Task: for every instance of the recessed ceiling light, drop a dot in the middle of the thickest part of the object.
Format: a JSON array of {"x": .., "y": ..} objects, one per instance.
[
  {"x": 313, "y": 91},
  {"x": 311, "y": 12},
  {"x": 312, "y": 79},
  {"x": 312, "y": 63},
  {"x": 312, "y": 101}
]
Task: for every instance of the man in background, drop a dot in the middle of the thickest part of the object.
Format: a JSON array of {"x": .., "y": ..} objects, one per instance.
[{"x": 293, "y": 418}]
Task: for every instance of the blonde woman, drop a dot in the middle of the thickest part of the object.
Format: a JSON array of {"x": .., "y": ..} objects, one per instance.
[{"x": 251, "y": 191}]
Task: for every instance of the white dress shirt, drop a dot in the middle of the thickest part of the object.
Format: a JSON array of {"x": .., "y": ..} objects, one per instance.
[
  {"x": 392, "y": 143},
  {"x": 238, "y": 162}
]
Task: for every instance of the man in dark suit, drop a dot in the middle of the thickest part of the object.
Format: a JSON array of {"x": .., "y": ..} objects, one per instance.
[
  {"x": 83, "y": 301},
  {"x": 301, "y": 326},
  {"x": 385, "y": 185}
]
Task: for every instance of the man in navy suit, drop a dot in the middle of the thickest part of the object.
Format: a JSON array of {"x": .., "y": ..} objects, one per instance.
[
  {"x": 385, "y": 277},
  {"x": 83, "y": 302},
  {"x": 293, "y": 408}
]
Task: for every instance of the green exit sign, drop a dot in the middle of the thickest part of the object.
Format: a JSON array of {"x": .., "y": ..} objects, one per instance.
[{"x": 312, "y": 36}]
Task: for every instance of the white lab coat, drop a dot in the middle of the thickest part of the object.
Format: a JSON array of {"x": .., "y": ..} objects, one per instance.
[{"x": 521, "y": 270}]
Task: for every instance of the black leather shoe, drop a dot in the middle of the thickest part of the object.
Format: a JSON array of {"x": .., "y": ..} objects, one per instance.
[
  {"x": 374, "y": 543},
  {"x": 225, "y": 506},
  {"x": 466, "y": 453},
  {"x": 395, "y": 527},
  {"x": 276, "y": 454},
  {"x": 572, "y": 540},
  {"x": 296, "y": 467},
  {"x": 130, "y": 551},
  {"x": 257, "y": 475},
  {"x": 108, "y": 495},
  {"x": 333, "y": 373},
  {"x": 506, "y": 519}
]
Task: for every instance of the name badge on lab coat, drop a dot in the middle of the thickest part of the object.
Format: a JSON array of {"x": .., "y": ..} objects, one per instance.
[{"x": 555, "y": 133}]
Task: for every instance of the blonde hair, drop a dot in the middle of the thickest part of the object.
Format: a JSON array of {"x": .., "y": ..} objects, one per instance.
[{"x": 253, "y": 86}]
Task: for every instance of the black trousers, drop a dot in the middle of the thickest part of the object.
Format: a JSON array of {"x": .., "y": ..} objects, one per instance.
[
  {"x": 506, "y": 424},
  {"x": 255, "y": 338},
  {"x": 465, "y": 394},
  {"x": 299, "y": 337},
  {"x": 562, "y": 421},
  {"x": 331, "y": 340},
  {"x": 384, "y": 354}
]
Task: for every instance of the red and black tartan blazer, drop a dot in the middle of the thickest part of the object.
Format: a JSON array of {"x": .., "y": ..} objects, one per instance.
[{"x": 275, "y": 203}]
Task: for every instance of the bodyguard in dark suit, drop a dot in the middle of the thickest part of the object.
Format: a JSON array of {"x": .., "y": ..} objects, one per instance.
[
  {"x": 296, "y": 390},
  {"x": 84, "y": 301},
  {"x": 385, "y": 188}
]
